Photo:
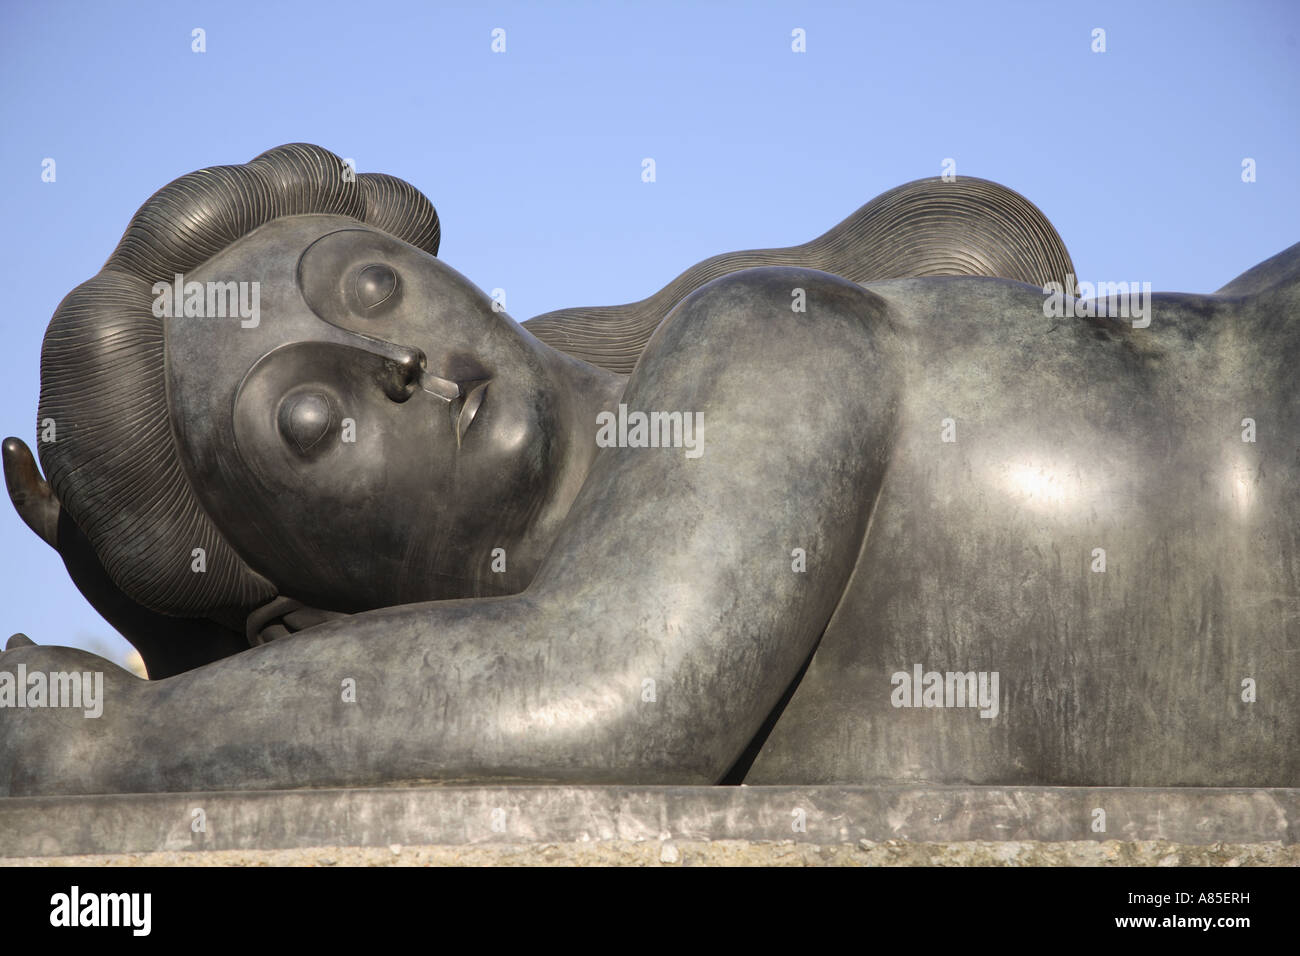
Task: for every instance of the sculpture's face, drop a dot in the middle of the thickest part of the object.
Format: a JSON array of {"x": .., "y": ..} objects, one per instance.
[{"x": 373, "y": 430}]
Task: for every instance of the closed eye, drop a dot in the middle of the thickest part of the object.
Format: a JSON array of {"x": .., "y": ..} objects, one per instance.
[{"x": 375, "y": 284}]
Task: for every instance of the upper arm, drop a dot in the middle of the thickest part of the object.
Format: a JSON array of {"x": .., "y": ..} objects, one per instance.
[{"x": 682, "y": 570}]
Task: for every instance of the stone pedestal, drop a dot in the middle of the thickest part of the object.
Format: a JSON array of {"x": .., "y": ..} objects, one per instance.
[{"x": 544, "y": 824}]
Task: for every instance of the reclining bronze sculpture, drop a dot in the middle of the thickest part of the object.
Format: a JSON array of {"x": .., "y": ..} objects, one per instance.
[{"x": 872, "y": 509}]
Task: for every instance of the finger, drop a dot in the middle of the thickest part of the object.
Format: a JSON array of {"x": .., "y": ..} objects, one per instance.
[
  {"x": 271, "y": 632},
  {"x": 264, "y": 615},
  {"x": 32, "y": 496},
  {"x": 309, "y": 617},
  {"x": 19, "y": 640}
]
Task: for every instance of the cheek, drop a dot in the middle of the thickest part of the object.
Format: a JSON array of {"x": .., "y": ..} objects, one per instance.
[
  {"x": 313, "y": 421},
  {"x": 337, "y": 479},
  {"x": 355, "y": 501},
  {"x": 512, "y": 432},
  {"x": 508, "y": 457}
]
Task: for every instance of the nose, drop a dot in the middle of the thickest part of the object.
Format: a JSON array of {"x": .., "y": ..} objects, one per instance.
[
  {"x": 402, "y": 370},
  {"x": 405, "y": 370}
]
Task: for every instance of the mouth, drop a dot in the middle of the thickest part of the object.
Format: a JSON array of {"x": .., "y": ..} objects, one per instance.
[
  {"x": 466, "y": 407},
  {"x": 464, "y": 399}
]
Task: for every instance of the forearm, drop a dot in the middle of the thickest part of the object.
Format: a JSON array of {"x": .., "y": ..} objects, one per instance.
[{"x": 487, "y": 689}]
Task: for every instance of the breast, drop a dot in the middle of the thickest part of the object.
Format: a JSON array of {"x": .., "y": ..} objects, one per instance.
[{"x": 1083, "y": 514}]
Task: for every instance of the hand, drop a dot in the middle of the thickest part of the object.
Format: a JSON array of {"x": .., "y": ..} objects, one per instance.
[
  {"x": 168, "y": 645},
  {"x": 284, "y": 616},
  {"x": 65, "y": 737},
  {"x": 32, "y": 496}
]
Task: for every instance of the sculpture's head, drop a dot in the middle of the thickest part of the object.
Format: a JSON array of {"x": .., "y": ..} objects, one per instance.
[{"x": 317, "y": 403}]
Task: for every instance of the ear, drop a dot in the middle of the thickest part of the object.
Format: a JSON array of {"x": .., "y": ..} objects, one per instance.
[{"x": 32, "y": 496}]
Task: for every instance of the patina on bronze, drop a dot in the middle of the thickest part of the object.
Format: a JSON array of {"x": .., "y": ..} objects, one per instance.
[{"x": 932, "y": 524}]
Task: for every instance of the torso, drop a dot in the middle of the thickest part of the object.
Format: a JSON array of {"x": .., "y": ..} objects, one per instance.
[{"x": 980, "y": 555}]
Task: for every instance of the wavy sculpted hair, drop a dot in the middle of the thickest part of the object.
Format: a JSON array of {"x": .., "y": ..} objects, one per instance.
[{"x": 115, "y": 466}]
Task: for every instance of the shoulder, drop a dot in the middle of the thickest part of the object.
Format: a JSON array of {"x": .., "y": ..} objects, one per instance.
[
  {"x": 785, "y": 297},
  {"x": 783, "y": 363},
  {"x": 799, "y": 320}
]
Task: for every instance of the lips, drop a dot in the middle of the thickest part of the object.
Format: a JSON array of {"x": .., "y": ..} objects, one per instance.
[
  {"x": 463, "y": 398},
  {"x": 464, "y": 409}
]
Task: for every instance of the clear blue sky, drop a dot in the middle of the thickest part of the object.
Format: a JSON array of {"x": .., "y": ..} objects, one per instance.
[{"x": 533, "y": 157}]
